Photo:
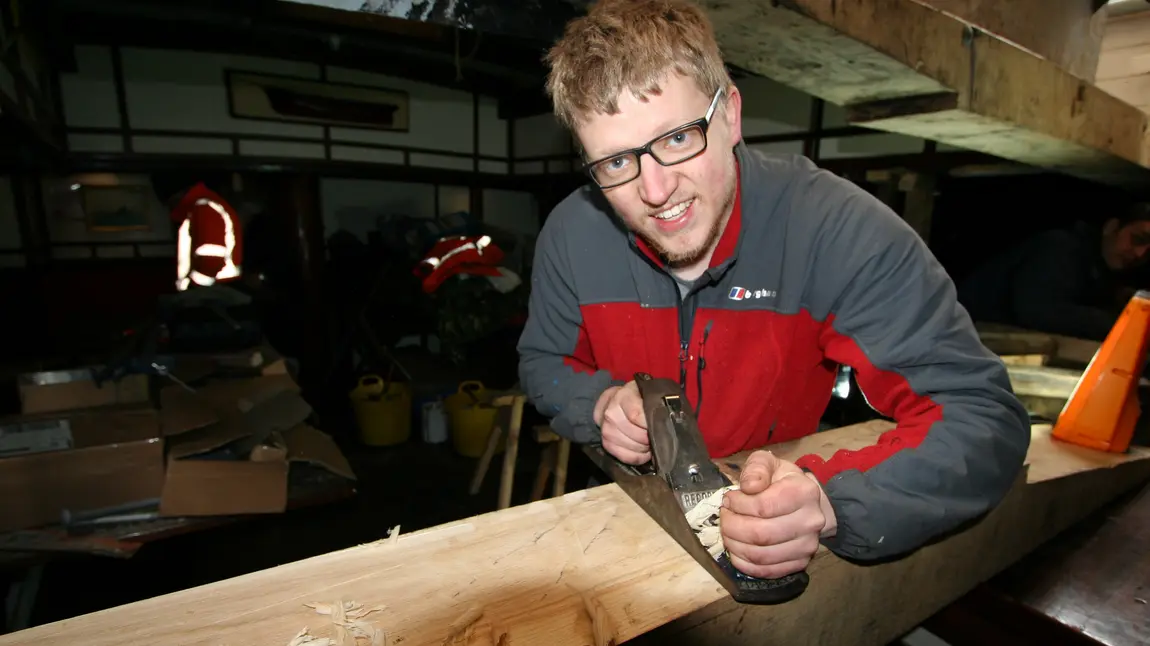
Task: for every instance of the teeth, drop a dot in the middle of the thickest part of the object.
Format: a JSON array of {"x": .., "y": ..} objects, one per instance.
[{"x": 674, "y": 211}]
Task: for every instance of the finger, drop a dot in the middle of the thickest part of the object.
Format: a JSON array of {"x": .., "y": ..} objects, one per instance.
[
  {"x": 785, "y": 496},
  {"x": 617, "y": 419},
  {"x": 612, "y": 433},
  {"x": 625, "y": 456},
  {"x": 753, "y": 530},
  {"x": 799, "y": 550},
  {"x": 632, "y": 404},
  {"x": 776, "y": 571},
  {"x": 757, "y": 471}
]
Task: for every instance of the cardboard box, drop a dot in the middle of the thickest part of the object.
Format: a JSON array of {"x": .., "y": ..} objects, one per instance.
[
  {"x": 225, "y": 449},
  {"x": 252, "y": 362},
  {"x": 66, "y": 390},
  {"x": 78, "y": 461},
  {"x": 240, "y": 463}
]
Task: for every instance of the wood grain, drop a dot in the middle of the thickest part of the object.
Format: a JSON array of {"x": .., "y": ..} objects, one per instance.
[
  {"x": 592, "y": 568},
  {"x": 1009, "y": 101}
]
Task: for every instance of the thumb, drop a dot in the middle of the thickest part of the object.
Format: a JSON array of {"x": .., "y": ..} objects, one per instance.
[{"x": 758, "y": 472}]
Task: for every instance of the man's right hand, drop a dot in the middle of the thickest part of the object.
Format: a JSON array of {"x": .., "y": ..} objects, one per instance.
[{"x": 619, "y": 414}]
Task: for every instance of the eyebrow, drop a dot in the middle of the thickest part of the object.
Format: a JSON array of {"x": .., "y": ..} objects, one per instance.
[{"x": 665, "y": 127}]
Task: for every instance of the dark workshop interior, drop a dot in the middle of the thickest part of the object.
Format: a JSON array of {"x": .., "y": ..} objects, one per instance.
[{"x": 359, "y": 145}]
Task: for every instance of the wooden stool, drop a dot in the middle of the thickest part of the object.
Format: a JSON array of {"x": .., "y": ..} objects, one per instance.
[
  {"x": 509, "y": 417},
  {"x": 554, "y": 459},
  {"x": 552, "y": 462}
]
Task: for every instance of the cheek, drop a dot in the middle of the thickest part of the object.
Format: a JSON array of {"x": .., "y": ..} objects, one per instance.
[{"x": 627, "y": 205}]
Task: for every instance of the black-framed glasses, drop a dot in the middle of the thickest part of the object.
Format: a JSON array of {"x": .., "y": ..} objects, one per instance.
[{"x": 675, "y": 147}]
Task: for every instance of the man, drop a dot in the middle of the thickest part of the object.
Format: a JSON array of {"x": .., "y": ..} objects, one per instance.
[
  {"x": 750, "y": 278},
  {"x": 1063, "y": 281}
]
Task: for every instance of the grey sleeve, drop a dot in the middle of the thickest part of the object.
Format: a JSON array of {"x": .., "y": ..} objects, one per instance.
[
  {"x": 961, "y": 435},
  {"x": 556, "y": 368}
]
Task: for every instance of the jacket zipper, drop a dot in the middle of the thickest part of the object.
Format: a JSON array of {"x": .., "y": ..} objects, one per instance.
[
  {"x": 684, "y": 338},
  {"x": 699, "y": 369}
]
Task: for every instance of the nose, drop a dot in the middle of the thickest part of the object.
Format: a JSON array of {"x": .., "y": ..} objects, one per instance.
[{"x": 656, "y": 182}]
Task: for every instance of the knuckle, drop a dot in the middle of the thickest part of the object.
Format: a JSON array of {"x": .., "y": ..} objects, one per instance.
[{"x": 763, "y": 533}]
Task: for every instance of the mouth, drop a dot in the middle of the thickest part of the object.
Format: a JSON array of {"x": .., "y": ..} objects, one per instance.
[{"x": 675, "y": 217}]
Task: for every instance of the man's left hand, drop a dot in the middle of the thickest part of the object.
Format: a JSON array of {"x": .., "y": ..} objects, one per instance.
[{"x": 772, "y": 524}]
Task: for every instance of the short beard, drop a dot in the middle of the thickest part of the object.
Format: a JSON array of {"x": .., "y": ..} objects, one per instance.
[{"x": 680, "y": 259}]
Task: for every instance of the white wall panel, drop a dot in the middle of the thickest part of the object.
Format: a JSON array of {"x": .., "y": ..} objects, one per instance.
[
  {"x": 257, "y": 148},
  {"x": 86, "y": 143},
  {"x": 367, "y": 155},
  {"x": 492, "y": 129},
  {"x": 183, "y": 90},
  {"x": 89, "y": 93},
  {"x": 182, "y": 145},
  {"x": 439, "y": 118},
  {"x": 540, "y": 135}
]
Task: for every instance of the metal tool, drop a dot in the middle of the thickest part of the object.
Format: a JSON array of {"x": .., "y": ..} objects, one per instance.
[{"x": 679, "y": 476}]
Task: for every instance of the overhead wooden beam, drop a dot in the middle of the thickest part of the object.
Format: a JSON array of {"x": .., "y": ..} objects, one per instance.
[
  {"x": 591, "y": 567},
  {"x": 1067, "y": 33},
  {"x": 903, "y": 66}
]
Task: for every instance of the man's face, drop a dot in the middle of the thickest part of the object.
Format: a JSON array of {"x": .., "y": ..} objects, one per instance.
[
  {"x": 1126, "y": 247},
  {"x": 680, "y": 210}
]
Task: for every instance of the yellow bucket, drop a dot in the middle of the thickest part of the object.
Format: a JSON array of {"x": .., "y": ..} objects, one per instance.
[
  {"x": 472, "y": 417},
  {"x": 383, "y": 414}
]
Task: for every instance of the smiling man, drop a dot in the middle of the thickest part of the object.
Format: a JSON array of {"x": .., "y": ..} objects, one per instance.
[{"x": 750, "y": 278}]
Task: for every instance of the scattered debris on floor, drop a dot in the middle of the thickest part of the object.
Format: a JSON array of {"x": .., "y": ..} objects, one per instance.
[{"x": 704, "y": 519}]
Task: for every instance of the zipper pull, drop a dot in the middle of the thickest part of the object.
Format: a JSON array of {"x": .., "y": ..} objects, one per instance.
[{"x": 683, "y": 346}]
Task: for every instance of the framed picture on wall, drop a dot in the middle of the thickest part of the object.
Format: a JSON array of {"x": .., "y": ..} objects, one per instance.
[
  {"x": 269, "y": 97},
  {"x": 116, "y": 208}
]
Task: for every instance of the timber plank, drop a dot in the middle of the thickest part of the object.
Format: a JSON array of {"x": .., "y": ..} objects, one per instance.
[
  {"x": 1008, "y": 101},
  {"x": 591, "y": 567}
]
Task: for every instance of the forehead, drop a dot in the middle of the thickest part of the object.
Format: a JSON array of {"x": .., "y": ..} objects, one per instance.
[
  {"x": 641, "y": 120},
  {"x": 1138, "y": 227}
]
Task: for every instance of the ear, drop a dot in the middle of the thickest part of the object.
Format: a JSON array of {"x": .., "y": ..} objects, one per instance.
[
  {"x": 733, "y": 114},
  {"x": 1110, "y": 227}
]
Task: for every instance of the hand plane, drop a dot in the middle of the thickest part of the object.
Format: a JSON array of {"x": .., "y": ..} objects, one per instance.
[{"x": 679, "y": 476}]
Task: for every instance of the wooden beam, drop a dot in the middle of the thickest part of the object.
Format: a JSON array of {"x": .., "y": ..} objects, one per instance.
[
  {"x": 1067, "y": 33},
  {"x": 591, "y": 567},
  {"x": 1004, "y": 99},
  {"x": 1124, "y": 64}
]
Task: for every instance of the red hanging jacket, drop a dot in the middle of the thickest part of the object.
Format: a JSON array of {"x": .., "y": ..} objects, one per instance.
[
  {"x": 458, "y": 255},
  {"x": 210, "y": 241}
]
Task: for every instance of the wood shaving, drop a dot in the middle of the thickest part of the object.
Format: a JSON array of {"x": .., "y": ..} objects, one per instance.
[
  {"x": 304, "y": 638},
  {"x": 704, "y": 519},
  {"x": 393, "y": 535},
  {"x": 462, "y": 623},
  {"x": 347, "y": 623}
]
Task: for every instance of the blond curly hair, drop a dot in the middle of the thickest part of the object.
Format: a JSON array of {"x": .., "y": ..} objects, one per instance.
[{"x": 630, "y": 45}]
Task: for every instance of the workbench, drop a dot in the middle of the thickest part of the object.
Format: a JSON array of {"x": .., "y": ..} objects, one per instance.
[
  {"x": 1088, "y": 587},
  {"x": 592, "y": 567}
]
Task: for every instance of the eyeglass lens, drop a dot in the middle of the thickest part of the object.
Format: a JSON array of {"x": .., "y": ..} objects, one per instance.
[{"x": 674, "y": 148}]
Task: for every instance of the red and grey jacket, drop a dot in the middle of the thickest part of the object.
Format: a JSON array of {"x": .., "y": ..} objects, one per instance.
[{"x": 810, "y": 273}]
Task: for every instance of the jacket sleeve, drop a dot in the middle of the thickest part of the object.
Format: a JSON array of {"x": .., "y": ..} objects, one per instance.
[
  {"x": 557, "y": 367},
  {"x": 961, "y": 436}
]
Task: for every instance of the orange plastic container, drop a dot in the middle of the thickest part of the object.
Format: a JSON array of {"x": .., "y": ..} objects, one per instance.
[{"x": 1103, "y": 409}]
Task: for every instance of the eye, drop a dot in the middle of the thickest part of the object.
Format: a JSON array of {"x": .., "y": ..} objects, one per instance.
[
  {"x": 679, "y": 139},
  {"x": 615, "y": 165}
]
